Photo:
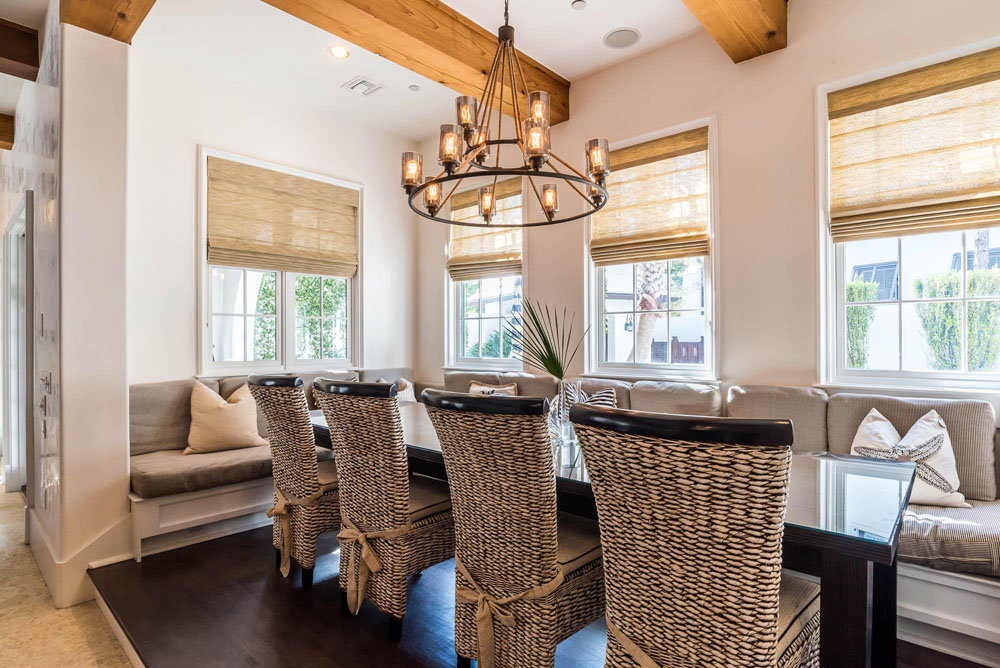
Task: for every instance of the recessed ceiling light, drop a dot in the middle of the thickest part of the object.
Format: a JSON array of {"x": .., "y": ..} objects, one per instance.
[
  {"x": 339, "y": 52},
  {"x": 414, "y": 88},
  {"x": 621, "y": 38},
  {"x": 578, "y": 4}
]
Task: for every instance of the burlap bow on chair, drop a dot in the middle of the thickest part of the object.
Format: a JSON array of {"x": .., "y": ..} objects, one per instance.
[
  {"x": 489, "y": 607},
  {"x": 280, "y": 509},
  {"x": 357, "y": 581}
]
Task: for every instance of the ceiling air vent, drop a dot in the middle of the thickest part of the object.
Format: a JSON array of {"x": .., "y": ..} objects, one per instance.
[{"x": 362, "y": 85}]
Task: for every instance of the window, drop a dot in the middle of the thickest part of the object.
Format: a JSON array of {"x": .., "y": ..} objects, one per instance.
[
  {"x": 280, "y": 253},
  {"x": 909, "y": 304},
  {"x": 484, "y": 264},
  {"x": 244, "y": 315},
  {"x": 914, "y": 215},
  {"x": 654, "y": 313},
  {"x": 320, "y": 317},
  {"x": 247, "y": 313},
  {"x": 488, "y": 308},
  {"x": 651, "y": 248}
]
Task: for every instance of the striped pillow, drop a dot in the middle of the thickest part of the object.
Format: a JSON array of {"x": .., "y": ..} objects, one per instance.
[{"x": 575, "y": 395}]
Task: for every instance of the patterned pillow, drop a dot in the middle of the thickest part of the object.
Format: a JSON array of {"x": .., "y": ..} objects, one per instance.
[
  {"x": 475, "y": 387},
  {"x": 575, "y": 395},
  {"x": 927, "y": 445}
]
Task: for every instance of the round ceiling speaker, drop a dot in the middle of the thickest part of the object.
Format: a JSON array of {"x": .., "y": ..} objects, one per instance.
[
  {"x": 578, "y": 4},
  {"x": 621, "y": 38}
]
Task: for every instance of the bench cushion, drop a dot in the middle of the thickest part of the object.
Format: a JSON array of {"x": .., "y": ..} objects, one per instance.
[
  {"x": 172, "y": 472},
  {"x": 804, "y": 406},
  {"x": 971, "y": 426},
  {"x": 966, "y": 540},
  {"x": 160, "y": 414},
  {"x": 675, "y": 398}
]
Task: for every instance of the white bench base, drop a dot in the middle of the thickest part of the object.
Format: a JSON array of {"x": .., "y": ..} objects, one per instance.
[
  {"x": 168, "y": 522},
  {"x": 954, "y": 613}
]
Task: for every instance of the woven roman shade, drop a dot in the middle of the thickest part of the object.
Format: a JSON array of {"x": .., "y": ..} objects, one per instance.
[
  {"x": 658, "y": 202},
  {"x": 917, "y": 152},
  {"x": 262, "y": 219},
  {"x": 484, "y": 252}
]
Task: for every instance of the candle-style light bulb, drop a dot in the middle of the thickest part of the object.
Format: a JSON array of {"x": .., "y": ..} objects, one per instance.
[
  {"x": 450, "y": 146},
  {"x": 487, "y": 203},
  {"x": 413, "y": 169},
  {"x": 538, "y": 105},
  {"x": 432, "y": 196},
  {"x": 536, "y": 141},
  {"x": 465, "y": 108},
  {"x": 550, "y": 199},
  {"x": 598, "y": 159}
]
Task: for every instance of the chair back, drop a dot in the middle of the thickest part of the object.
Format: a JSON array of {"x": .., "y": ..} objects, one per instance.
[
  {"x": 691, "y": 511},
  {"x": 500, "y": 469},
  {"x": 367, "y": 436},
  {"x": 282, "y": 401}
]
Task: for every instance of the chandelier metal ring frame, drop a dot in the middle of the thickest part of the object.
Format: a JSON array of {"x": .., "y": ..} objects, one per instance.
[{"x": 474, "y": 132}]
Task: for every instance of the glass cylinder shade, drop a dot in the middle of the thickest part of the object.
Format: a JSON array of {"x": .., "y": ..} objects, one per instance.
[
  {"x": 598, "y": 158},
  {"x": 538, "y": 105},
  {"x": 413, "y": 169},
  {"x": 465, "y": 109},
  {"x": 450, "y": 147},
  {"x": 478, "y": 139},
  {"x": 550, "y": 198},
  {"x": 536, "y": 140},
  {"x": 487, "y": 203},
  {"x": 432, "y": 195}
]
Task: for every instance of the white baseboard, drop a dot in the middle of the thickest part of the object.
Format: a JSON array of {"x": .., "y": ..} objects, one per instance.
[
  {"x": 201, "y": 533},
  {"x": 117, "y": 629},
  {"x": 954, "y": 613}
]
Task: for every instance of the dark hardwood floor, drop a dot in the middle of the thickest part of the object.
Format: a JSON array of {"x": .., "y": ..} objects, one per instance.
[{"x": 222, "y": 603}]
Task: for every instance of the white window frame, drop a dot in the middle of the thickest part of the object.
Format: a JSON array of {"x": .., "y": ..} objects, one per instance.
[
  {"x": 295, "y": 364},
  {"x": 263, "y": 365},
  {"x": 830, "y": 260},
  {"x": 707, "y": 372},
  {"x": 285, "y": 347},
  {"x": 456, "y": 360}
]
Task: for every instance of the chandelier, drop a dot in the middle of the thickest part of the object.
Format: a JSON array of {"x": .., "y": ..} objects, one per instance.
[{"x": 469, "y": 151}]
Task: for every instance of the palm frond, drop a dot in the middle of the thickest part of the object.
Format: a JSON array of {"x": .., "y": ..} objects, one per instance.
[{"x": 545, "y": 339}]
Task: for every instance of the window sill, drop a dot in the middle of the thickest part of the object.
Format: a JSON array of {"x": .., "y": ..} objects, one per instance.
[
  {"x": 913, "y": 390},
  {"x": 486, "y": 367},
  {"x": 664, "y": 377}
]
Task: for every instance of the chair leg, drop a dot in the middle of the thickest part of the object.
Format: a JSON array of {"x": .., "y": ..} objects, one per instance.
[
  {"x": 464, "y": 663},
  {"x": 395, "y": 629},
  {"x": 277, "y": 559},
  {"x": 307, "y": 578},
  {"x": 343, "y": 602}
]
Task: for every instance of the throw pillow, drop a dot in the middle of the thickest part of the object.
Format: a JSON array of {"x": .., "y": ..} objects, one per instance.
[
  {"x": 218, "y": 424},
  {"x": 575, "y": 395},
  {"x": 475, "y": 387},
  {"x": 926, "y": 444},
  {"x": 404, "y": 389}
]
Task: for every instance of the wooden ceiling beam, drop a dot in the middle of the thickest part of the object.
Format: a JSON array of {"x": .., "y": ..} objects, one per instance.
[
  {"x": 117, "y": 19},
  {"x": 745, "y": 29},
  {"x": 18, "y": 50},
  {"x": 429, "y": 38},
  {"x": 6, "y": 132}
]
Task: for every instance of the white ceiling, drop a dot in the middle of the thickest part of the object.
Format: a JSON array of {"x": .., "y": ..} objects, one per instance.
[
  {"x": 569, "y": 41},
  {"x": 29, "y": 13},
  {"x": 251, "y": 42}
]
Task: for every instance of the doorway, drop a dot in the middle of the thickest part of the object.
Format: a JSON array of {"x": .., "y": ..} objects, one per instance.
[{"x": 18, "y": 348}]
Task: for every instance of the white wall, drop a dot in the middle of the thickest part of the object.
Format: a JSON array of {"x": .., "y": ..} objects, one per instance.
[
  {"x": 171, "y": 111},
  {"x": 767, "y": 248}
]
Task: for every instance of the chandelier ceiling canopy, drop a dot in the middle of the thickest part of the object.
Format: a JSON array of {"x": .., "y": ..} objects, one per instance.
[{"x": 469, "y": 151}]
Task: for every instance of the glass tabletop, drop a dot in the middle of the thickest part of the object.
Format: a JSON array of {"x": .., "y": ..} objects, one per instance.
[{"x": 843, "y": 495}]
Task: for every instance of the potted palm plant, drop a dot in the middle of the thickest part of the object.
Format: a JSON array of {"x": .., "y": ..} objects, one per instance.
[{"x": 544, "y": 340}]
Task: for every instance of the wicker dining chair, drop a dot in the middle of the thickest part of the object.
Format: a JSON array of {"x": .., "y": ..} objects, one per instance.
[
  {"x": 527, "y": 576},
  {"x": 393, "y": 524},
  {"x": 692, "y": 512},
  {"x": 306, "y": 500}
]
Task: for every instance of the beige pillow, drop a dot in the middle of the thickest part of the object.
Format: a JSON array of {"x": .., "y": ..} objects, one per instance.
[
  {"x": 217, "y": 424},
  {"x": 475, "y": 387}
]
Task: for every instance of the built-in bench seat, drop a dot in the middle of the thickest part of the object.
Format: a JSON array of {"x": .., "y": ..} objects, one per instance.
[
  {"x": 961, "y": 540},
  {"x": 178, "y": 499}
]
